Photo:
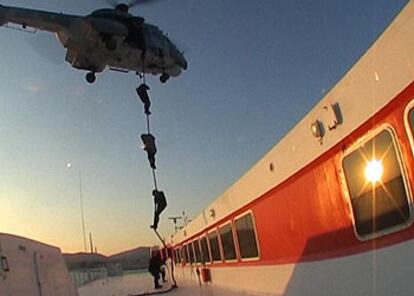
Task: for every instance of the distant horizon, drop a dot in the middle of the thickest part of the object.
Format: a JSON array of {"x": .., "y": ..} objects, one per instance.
[
  {"x": 88, "y": 252},
  {"x": 106, "y": 255}
]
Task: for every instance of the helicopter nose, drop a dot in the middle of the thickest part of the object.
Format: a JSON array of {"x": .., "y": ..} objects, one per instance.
[
  {"x": 184, "y": 64},
  {"x": 181, "y": 61},
  {"x": 179, "y": 58}
]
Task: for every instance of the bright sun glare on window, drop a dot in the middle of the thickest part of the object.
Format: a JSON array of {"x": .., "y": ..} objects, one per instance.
[{"x": 374, "y": 170}]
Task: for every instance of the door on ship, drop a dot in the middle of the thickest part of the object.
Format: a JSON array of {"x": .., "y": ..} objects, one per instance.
[
  {"x": 4, "y": 268},
  {"x": 42, "y": 273},
  {"x": 2, "y": 272}
]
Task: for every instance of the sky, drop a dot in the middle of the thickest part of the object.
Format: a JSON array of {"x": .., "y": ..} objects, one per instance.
[{"x": 255, "y": 68}]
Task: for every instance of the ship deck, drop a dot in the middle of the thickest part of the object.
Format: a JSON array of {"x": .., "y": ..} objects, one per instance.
[{"x": 142, "y": 284}]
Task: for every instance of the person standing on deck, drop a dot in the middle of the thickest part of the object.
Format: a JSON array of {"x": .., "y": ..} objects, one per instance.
[{"x": 155, "y": 268}]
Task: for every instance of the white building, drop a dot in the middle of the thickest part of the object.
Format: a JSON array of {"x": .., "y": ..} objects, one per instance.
[{"x": 32, "y": 268}]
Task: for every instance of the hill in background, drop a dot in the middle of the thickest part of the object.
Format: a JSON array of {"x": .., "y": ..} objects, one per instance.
[{"x": 128, "y": 260}]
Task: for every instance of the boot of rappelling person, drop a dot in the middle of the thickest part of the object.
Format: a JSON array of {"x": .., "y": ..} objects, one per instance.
[
  {"x": 142, "y": 92},
  {"x": 149, "y": 146}
]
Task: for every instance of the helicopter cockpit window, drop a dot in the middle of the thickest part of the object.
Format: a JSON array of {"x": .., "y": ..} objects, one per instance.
[{"x": 377, "y": 186}]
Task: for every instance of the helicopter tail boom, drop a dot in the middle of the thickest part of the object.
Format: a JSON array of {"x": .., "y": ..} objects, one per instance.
[
  {"x": 3, "y": 21},
  {"x": 41, "y": 20}
]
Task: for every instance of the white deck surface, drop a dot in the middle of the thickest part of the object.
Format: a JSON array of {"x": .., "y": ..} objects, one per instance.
[{"x": 139, "y": 283}]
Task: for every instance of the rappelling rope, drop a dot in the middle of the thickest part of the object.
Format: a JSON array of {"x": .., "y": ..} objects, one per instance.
[
  {"x": 156, "y": 188},
  {"x": 154, "y": 176},
  {"x": 172, "y": 264},
  {"x": 148, "y": 124}
]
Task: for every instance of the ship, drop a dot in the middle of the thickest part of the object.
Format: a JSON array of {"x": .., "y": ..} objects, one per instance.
[{"x": 329, "y": 209}]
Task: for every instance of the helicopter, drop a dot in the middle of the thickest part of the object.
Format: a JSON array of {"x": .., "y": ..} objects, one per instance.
[{"x": 108, "y": 37}]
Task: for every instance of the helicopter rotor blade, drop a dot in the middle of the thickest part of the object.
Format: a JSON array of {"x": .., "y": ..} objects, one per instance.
[
  {"x": 130, "y": 4},
  {"x": 112, "y": 3},
  {"x": 140, "y": 2}
]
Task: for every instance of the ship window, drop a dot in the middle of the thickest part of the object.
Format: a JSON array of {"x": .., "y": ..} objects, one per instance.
[
  {"x": 376, "y": 186},
  {"x": 184, "y": 254},
  {"x": 226, "y": 235},
  {"x": 197, "y": 251},
  {"x": 187, "y": 257},
  {"x": 175, "y": 257},
  {"x": 214, "y": 245},
  {"x": 205, "y": 255},
  {"x": 190, "y": 253},
  {"x": 246, "y": 236},
  {"x": 411, "y": 120},
  {"x": 178, "y": 255}
]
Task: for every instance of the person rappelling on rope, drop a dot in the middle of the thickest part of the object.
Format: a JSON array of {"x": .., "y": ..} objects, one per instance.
[
  {"x": 160, "y": 203},
  {"x": 149, "y": 146},
  {"x": 142, "y": 92}
]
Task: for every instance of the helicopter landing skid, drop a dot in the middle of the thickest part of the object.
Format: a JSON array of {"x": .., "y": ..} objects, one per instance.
[
  {"x": 90, "y": 77},
  {"x": 164, "y": 77}
]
